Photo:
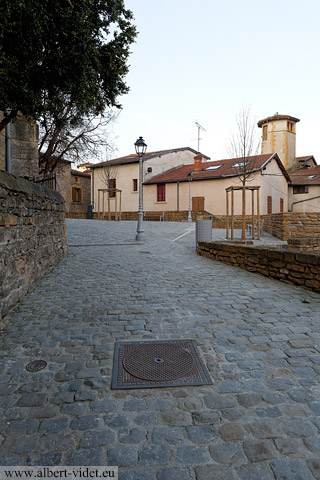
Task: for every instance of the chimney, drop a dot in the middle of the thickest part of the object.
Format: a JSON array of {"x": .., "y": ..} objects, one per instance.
[{"x": 197, "y": 163}]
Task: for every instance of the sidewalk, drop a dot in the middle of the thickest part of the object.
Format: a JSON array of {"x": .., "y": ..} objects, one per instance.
[{"x": 259, "y": 338}]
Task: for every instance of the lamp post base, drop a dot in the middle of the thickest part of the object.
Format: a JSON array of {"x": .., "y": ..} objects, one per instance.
[{"x": 140, "y": 236}]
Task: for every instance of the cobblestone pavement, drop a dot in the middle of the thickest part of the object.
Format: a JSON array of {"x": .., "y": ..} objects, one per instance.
[{"x": 259, "y": 338}]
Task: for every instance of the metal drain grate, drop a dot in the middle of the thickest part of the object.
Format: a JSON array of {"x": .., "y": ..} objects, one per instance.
[
  {"x": 36, "y": 365},
  {"x": 159, "y": 363}
]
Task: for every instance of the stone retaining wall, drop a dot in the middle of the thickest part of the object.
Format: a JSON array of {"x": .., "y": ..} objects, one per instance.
[
  {"x": 286, "y": 225},
  {"x": 32, "y": 236},
  {"x": 172, "y": 216},
  {"x": 292, "y": 224},
  {"x": 307, "y": 244},
  {"x": 292, "y": 266}
]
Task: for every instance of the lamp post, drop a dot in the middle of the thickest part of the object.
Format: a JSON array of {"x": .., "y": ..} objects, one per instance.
[
  {"x": 141, "y": 148},
  {"x": 189, "y": 210}
]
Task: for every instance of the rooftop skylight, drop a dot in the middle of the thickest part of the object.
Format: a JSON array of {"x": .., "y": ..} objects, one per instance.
[
  {"x": 213, "y": 167},
  {"x": 312, "y": 176},
  {"x": 240, "y": 164}
]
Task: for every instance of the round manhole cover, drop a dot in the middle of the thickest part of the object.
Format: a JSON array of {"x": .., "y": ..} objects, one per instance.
[
  {"x": 36, "y": 365},
  {"x": 158, "y": 362}
]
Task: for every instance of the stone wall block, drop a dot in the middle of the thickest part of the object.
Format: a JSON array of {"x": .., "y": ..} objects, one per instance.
[
  {"x": 32, "y": 236},
  {"x": 298, "y": 268}
]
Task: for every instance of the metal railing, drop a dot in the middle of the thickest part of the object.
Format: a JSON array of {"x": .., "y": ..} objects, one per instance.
[{"x": 49, "y": 181}]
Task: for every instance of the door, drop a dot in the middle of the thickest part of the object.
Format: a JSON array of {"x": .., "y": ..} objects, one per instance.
[{"x": 198, "y": 204}]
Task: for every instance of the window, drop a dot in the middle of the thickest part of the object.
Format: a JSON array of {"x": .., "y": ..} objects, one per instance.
[
  {"x": 300, "y": 189},
  {"x": 241, "y": 164},
  {"x": 161, "y": 192},
  {"x": 76, "y": 195},
  {"x": 135, "y": 184},
  {"x": 265, "y": 132},
  {"x": 290, "y": 127},
  {"x": 76, "y": 179},
  {"x": 112, "y": 187},
  {"x": 213, "y": 167},
  {"x": 281, "y": 204},
  {"x": 269, "y": 204}
]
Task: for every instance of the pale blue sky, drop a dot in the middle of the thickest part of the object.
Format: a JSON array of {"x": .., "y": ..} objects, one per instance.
[{"x": 201, "y": 60}]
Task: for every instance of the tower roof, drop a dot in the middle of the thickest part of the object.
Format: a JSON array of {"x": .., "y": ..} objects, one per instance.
[{"x": 276, "y": 116}]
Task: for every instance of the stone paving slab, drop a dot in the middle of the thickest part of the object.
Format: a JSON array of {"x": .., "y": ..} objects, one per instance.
[{"x": 259, "y": 338}]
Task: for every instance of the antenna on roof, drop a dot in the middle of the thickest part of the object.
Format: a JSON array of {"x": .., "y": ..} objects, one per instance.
[{"x": 199, "y": 128}]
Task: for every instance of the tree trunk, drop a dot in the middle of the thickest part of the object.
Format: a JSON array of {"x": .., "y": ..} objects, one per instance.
[
  {"x": 243, "y": 232},
  {"x": 49, "y": 165}
]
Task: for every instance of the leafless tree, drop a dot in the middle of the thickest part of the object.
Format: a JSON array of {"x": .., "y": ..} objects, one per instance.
[
  {"x": 242, "y": 145},
  {"x": 108, "y": 173},
  {"x": 77, "y": 143}
]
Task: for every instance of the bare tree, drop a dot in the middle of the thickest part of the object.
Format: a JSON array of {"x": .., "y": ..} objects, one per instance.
[
  {"x": 242, "y": 145},
  {"x": 108, "y": 174},
  {"x": 77, "y": 143}
]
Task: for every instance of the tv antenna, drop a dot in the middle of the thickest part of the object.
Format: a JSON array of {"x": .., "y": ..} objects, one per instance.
[{"x": 199, "y": 128}]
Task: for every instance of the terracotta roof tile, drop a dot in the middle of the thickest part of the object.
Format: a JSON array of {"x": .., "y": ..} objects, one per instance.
[
  {"x": 212, "y": 170},
  {"x": 276, "y": 116},
  {"x": 306, "y": 176},
  {"x": 134, "y": 158}
]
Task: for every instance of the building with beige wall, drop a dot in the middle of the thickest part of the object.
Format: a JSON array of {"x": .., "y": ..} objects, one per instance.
[
  {"x": 277, "y": 172},
  {"x": 304, "y": 189},
  {"x": 279, "y": 136},
  {"x": 209, "y": 181},
  {"x": 123, "y": 174}
]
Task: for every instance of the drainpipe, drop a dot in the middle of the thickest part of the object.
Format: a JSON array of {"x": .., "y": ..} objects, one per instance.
[
  {"x": 178, "y": 185},
  {"x": 301, "y": 201},
  {"x": 92, "y": 187},
  {"x": 8, "y": 148}
]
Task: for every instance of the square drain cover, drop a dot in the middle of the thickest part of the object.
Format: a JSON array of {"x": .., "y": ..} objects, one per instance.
[{"x": 159, "y": 363}]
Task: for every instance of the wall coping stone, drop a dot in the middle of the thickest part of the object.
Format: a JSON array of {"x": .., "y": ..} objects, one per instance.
[{"x": 19, "y": 184}]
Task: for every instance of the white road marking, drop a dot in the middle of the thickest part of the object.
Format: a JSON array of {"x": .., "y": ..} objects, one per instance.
[{"x": 190, "y": 230}]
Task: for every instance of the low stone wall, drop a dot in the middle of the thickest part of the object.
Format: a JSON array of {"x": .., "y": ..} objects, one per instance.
[
  {"x": 220, "y": 221},
  {"x": 292, "y": 266},
  {"x": 292, "y": 224},
  {"x": 172, "y": 216},
  {"x": 32, "y": 236},
  {"x": 307, "y": 244},
  {"x": 286, "y": 225}
]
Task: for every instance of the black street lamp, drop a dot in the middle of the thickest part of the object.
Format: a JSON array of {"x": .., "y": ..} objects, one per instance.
[{"x": 141, "y": 148}]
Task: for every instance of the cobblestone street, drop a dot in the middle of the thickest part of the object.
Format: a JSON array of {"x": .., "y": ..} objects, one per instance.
[{"x": 259, "y": 338}]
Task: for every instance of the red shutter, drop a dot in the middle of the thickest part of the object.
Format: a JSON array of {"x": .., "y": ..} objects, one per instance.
[
  {"x": 161, "y": 192},
  {"x": 112, "y": 184},
  {"x": 135, "y": 184},
  {"x": 281, "y": 204}
]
